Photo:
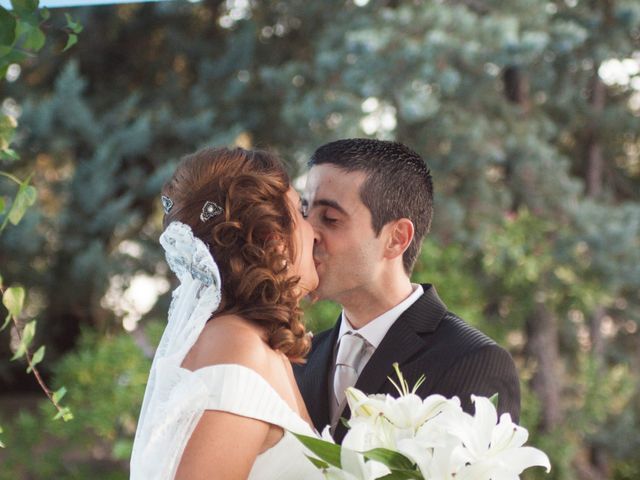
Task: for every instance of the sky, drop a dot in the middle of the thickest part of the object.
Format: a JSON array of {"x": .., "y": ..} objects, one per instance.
[{"x": 75, "y": 3}]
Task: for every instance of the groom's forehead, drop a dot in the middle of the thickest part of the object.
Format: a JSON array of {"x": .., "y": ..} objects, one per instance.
[
  {"x": 331, "y": 180},
  {"x": 339, "y": 190}
]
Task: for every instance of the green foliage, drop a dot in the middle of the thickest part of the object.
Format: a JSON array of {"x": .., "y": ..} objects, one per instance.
[
  {"x": 497, "y": 96},
  {"x": 75, "y": 28},
  {"x": 394, "y": 460},
  {"x": 108, "y": 375},
  {"x": 26, "y": 337},
  {"x": 560, "y": 445},
  {"x": 24, "y": 199},
  {"x": 38, "y": 356},
  {"x": 22, "y": 33},
  {"x": 13, "y": 300},
  {"x": 451, "y": 268},
  {"x": 519, "y": 253},
  {"x": 327, "y": 451},
  {"x": 320, "y": 316},
  {"x": 21, "y": 36}
]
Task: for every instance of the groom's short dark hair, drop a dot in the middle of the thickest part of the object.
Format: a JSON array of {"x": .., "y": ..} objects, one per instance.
[{"x": 398, "y": 184}]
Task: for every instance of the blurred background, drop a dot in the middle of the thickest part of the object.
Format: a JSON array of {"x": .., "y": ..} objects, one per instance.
[{"x": 527, "y": 112}]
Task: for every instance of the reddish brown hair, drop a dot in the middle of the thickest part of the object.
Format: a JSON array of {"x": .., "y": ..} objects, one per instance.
[{"x": 246, "y": 240}]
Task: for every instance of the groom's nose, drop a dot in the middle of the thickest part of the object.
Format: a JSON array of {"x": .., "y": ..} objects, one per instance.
[{"x": 316, "y": 238}]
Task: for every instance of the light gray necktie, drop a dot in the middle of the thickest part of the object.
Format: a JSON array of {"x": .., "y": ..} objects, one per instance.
[{"x": 351, "y": 349}]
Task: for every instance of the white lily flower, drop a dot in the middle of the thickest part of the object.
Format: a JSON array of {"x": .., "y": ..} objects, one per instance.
[
  {"x": 326, "y": 434},
  {"x": 494, "y": 451},
  {"x": 432, "y": 448},
  {"x": 359, "y": 439},
  {"x": 362, "y": 405},
  {"x": 442, "y": 440},
  {"x": 405, "y": 412},
  {"x": 434, "y": 463},
  {"x": 337, "y": 474}
]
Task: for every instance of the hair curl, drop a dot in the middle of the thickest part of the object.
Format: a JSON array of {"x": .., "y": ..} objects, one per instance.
[{"x": 247, "y": 239}]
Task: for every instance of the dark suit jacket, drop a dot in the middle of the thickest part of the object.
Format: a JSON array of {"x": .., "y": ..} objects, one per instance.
[{"x": 455, "y": 358}]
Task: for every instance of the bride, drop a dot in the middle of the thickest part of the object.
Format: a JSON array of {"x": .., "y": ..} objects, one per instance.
[{"x": 221, "y": 399}]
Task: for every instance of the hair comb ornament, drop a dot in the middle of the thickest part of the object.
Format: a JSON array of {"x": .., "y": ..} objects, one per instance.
[
  {"x": 210, "y": 210},
  {"x": 167, "y": 204}
]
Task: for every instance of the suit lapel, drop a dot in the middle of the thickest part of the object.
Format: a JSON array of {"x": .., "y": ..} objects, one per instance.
[
  {"x": 399, "y": 344},
  {"x": 317, "y": 379}
]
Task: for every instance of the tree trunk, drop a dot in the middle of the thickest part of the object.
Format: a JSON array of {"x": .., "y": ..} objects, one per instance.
[
  {"x": 595, "y": 159},
  {"x": 594, "y": 174},
  {"x": 542, "y": 347}
]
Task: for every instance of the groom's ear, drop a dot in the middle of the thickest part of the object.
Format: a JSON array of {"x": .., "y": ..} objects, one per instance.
[{"x": 400, "y": 234}]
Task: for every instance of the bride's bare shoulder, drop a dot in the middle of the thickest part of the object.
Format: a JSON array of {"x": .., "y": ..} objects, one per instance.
[{"x": 228, "y": 339}]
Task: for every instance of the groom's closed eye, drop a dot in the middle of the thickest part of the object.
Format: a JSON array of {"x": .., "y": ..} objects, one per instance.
[{"x": 327, "y": 218}]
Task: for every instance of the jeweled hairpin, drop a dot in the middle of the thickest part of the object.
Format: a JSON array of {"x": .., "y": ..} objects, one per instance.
[
  {"x": 210, "y": 210},
  {"x": 167, "y": 204}
]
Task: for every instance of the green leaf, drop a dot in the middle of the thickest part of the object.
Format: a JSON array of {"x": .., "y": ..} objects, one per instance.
[
  {"x": 13, "y": 300},
  {"x": 122, "y": 449},
  {"x": 28, "y": 333},
  {"x": 9, "y": 55},
  {"x": 9, "y": 154},
  {"x": 36, "y": 359},
  {"x": 58, "y": 394},
  {"x": 494, "y": 400},
  {"x": 2, "y": 205},
  {"x": 25, "y": 198},
  {"x": 45, "y": 13},
  {"x": 65, "y": 414},
  {"x": 7, "y": 130},
  {"x": 71, "y": 41},
  {"x": 7, "y": 319},
  {"x": 73, "y": 25},
  {"x": 7, "y": 27},
  {"x": 34, "y": 38},
  {"x": 327, "y": 451},
  {"x": 24, "y": 7},
  {"x": 403, "y": 475},
  {"x": 393, "y": 460},
  {"x": 317, "y": 462}
]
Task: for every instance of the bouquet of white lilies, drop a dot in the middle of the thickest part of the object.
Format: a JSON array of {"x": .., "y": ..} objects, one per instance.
[{"x": 432, "y": 439}]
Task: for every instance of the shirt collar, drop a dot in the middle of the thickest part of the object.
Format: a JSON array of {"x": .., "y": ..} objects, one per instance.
[{"x": 374, "y": 331}]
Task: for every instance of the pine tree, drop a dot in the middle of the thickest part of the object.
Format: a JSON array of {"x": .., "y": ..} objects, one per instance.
[{"x": 534, "y": 152}]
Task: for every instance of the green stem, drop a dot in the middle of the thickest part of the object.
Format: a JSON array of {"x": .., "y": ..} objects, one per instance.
[
  {"x": 47, "y": 391},
  {"x": 11, "y": 177}
]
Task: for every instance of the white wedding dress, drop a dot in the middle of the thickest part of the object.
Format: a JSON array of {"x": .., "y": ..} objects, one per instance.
[{"x": 176, "y": 398}]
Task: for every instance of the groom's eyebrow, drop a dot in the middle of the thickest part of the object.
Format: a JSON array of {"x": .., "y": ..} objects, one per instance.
[{"x": 330, "y": 203}]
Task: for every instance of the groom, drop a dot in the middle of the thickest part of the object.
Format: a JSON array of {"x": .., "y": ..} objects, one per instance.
[{"x": 370, "y": 203}]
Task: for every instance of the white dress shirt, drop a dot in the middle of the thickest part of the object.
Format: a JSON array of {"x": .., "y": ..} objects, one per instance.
[{"x": 373, "y": 333}]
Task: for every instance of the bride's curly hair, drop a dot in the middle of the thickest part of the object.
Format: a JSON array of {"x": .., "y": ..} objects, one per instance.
[{"x": 247, "y": 239}]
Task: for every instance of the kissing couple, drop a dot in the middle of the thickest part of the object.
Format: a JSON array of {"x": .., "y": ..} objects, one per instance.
[{"x": 236, "y": 372}]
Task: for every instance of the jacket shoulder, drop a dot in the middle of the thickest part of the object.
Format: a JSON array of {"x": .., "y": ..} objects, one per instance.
[{"x": 464, "y": 334}]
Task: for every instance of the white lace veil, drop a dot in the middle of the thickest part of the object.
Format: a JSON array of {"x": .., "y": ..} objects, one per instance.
[{"x": 174, "y": 397}]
